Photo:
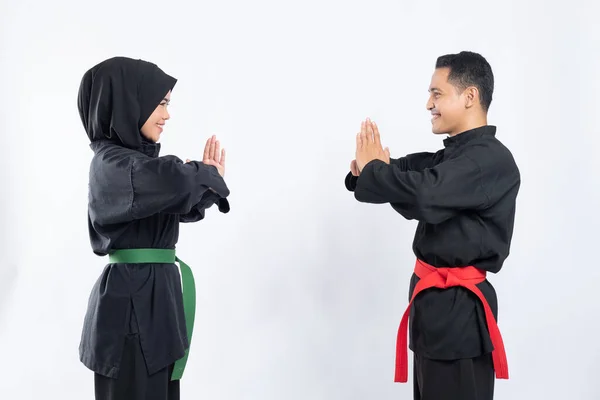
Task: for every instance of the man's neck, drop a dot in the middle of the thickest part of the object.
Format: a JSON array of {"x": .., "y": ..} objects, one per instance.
[{"x": 472, "y": 123}]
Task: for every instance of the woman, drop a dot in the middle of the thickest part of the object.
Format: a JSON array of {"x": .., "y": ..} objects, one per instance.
[{"x": 135, "y": 328}]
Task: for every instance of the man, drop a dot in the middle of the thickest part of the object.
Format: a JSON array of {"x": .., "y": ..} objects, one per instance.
[{"x": 464, "y": 199}]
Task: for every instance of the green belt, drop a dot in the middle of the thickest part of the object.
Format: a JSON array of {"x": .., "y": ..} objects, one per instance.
[{"x": 166, "y": 256}]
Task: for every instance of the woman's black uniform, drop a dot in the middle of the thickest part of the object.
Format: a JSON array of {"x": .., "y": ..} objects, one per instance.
[{"x": 134, "y": 329}]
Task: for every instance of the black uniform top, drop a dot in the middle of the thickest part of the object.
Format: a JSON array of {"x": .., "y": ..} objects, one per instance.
[
  {"x": 464, "y": 199},
  {"x": 136, "y": 200}
]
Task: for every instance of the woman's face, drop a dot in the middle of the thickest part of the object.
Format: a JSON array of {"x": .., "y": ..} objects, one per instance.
[{"x": 156, "y": 122}]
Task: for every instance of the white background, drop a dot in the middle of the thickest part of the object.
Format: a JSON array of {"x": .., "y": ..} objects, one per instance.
[{"x": 301, "y": 288}]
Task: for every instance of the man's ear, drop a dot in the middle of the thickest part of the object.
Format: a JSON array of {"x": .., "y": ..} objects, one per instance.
[{"x": 471, "y": 95}]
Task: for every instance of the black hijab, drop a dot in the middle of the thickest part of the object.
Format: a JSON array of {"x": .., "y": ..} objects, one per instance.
[{"x": 117, "y": 96}]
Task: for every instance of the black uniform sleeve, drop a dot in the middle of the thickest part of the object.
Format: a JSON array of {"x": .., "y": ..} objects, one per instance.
[
  {"x": 350, "y": 182},
  {"x": 198, "y": 211},
  {"x": 431, "y": 195},
  {"x": 167, "y": 185},
  {"x": 411, "y": 162}
]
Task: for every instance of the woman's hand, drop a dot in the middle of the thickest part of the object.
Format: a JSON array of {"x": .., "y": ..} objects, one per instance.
[{"x": 214, "y": 155}]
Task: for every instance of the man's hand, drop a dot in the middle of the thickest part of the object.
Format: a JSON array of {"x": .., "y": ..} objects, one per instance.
[
  {"x": 213, "y": 155},
  {"x": 368, "y": 145},
  {"x": 354, "y": 168}
]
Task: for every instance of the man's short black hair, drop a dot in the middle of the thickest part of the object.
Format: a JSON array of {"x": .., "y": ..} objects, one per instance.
[{"x": 470, "y": 69}]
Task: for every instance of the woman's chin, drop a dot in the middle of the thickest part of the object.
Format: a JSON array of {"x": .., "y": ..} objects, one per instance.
[{"x": 154, "y": 138}]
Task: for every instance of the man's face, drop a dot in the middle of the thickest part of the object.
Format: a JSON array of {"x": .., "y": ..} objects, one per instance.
[{"x": 447, "y": 105}]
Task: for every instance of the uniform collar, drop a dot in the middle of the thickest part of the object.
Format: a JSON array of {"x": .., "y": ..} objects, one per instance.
[
  {"x": 467, "y": 136},
  {"x": 150, "y": 149}
]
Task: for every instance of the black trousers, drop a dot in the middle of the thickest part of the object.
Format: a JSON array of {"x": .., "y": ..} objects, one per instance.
[
  {"x": 466, "y": 379},
  {"x": 133, "y": 382}
]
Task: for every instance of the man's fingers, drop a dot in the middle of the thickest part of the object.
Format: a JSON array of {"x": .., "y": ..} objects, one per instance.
[
  {"x": 354, "y": 168},
  {"x": 376, "y": 137},
  {"x": 364, "y": 135},
  {"x": 375, "y": 128},
  {"x": 223, "y": 157},
  {"x": 370, "y": 131}
]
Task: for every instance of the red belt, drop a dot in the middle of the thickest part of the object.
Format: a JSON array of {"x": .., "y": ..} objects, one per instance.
[{"x": 443, "y": 278}]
